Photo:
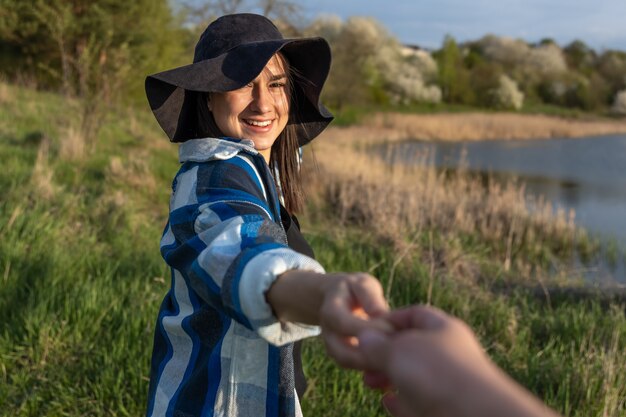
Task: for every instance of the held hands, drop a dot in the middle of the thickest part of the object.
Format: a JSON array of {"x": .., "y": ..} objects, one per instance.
[
  {"x": 343, "y": 304},
  {"x": 351, "y": 305},
  {"x": 431, "y": 361}
]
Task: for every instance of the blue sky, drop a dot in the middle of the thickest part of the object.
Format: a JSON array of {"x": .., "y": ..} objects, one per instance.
[{"x": 600, "y": 23}]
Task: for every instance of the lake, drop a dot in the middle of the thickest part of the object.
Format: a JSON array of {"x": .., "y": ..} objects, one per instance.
[{"x": 587, "y": 174}]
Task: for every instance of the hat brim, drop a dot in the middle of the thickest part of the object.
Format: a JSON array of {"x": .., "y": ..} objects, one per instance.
[{"x": 171, "y": 93}]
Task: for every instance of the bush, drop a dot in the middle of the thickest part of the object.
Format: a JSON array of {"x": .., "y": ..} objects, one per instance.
[
  {"x": 619, "y": 106},
  {"x": 485, "y": 79},
  {"x": 508, "y": 95},
  {"x": 405, "y": 74}
]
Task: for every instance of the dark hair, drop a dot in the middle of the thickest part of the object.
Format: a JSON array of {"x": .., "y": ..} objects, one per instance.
[
  {"x": 207, "y": 128},
  {"x": 284, "y": 156}
]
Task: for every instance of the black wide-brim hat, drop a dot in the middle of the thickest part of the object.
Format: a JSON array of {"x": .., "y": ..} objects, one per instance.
[{"x": 232, "y": 51}]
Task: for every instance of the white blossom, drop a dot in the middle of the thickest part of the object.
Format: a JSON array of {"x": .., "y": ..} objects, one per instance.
[
  {"x": 546, "y": 59},
  {"x": 422, "y": 60},
  {"x": 508, "y": 95},
  {"x": 542, "y": 59},
  {"x": 328, "y": 27},
  {"x": 406, "y": 73},
  {"x": 365, "y": 30},
  {"x": 504, "y": 50},
  {"x": 619, "y": 105}
]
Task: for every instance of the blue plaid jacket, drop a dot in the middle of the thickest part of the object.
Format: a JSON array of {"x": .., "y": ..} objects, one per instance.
[{"x": 218, "y": 348}]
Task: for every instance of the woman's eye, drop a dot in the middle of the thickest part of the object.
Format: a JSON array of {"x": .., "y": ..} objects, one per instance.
[{"x": 277, "y": 85}]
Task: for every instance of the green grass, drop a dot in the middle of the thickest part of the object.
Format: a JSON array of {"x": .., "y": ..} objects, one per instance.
[
  {"x": 82, "y": 276},
  {"x": 82, "y": 280}
]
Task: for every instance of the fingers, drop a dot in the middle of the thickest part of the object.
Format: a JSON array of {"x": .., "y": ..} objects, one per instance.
[
  {"x": 382, "y": 325},
  {"x": 418, "y": 317},
  {"x": 353, "y": 301},
  {"x": 368, "y": 293},
  {"x": 347, "y": 311},
  {"x": 376, "y": 349},
  {"x": 343, "y": 351},
  {"x": 338, "y": 315},
  {"x": 376, "y": 380}
]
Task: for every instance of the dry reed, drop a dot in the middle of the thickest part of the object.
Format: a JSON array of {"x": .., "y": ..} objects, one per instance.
[
  {"x": 72, "y": 145},
  {"x": 479, "y": 126},
  {"x": 136, "y": 127},
  {"x": 134, "y": 172},
  {"x": 41, "y": 177},
  {"x": 6, "y": 94}
]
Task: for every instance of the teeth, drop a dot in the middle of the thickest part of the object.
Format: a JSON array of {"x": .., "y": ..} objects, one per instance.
[{"x": 259, "y": 123}]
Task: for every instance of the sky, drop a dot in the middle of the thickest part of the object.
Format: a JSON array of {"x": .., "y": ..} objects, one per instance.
[{"x": 601, "y": 24}]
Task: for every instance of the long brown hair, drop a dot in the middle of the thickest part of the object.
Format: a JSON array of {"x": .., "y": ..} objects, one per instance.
[
  {"x": 285, "y": 160},
  {"x": 284, "y": 156}
]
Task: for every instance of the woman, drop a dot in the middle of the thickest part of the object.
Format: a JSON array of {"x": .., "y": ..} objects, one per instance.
[{"x": 245, "y": 285}]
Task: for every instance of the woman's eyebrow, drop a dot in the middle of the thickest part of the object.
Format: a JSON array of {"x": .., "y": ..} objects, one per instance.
[{"x": 277, "y": 77}]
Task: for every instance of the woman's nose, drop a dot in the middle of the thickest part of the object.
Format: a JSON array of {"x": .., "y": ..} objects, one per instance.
[{"x": 262, "y": 99}]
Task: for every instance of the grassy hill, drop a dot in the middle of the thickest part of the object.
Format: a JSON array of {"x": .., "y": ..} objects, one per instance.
[{"x": 82, "y": 277}]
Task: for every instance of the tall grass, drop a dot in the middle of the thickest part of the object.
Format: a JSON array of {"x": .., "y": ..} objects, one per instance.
[
  {"x": 82, "y": 278},
  {"x": 81, "y": 275}
]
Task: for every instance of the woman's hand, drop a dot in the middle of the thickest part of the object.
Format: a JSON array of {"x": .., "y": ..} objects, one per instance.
[
  {"x": 343, "y": 304},
  {"x": 350, "y": 305}
]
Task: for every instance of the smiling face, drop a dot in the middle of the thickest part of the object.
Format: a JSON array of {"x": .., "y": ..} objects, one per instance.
[{"x": 258, "y": 111}]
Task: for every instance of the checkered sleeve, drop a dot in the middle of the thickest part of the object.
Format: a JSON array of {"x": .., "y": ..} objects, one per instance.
[{"x": 229, "y": 247}]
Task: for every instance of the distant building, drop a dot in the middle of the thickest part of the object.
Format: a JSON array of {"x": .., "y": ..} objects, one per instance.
[{"x": 413, "y": 50}]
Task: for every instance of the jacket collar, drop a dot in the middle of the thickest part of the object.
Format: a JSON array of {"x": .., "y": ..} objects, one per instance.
[{"x": 209, "y": 149}]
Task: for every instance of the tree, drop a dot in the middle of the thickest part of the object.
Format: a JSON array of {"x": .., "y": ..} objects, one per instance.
[
  {"x": 328, "y": 27},
  {"x": 508, "y": 52},
  {"x": 285, "y": 13},
  {"x": 612, "y": 67},
  {"x": 369, "y": 65},
  {"x": 406, "y": 74},
  {"x": 453, "y": 76},
  {"x": 84, "y": 46},
  {"x": 580, "y": 57},
  {"x": 545, "y": 59},
  {"x": 98, "y": 52},
  {"x": 411, "y": 76},
  {"x": 485, "y": 79},
  {"x": 547, "y": 42},
  {"x": 358, "y": 45}
]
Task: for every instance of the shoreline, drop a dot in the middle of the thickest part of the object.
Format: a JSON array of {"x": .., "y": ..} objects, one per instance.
[{"x": 475, "y": 126}]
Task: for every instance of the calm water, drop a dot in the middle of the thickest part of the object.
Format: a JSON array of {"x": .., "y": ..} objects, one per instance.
[{"x": 586, "y": 174}]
